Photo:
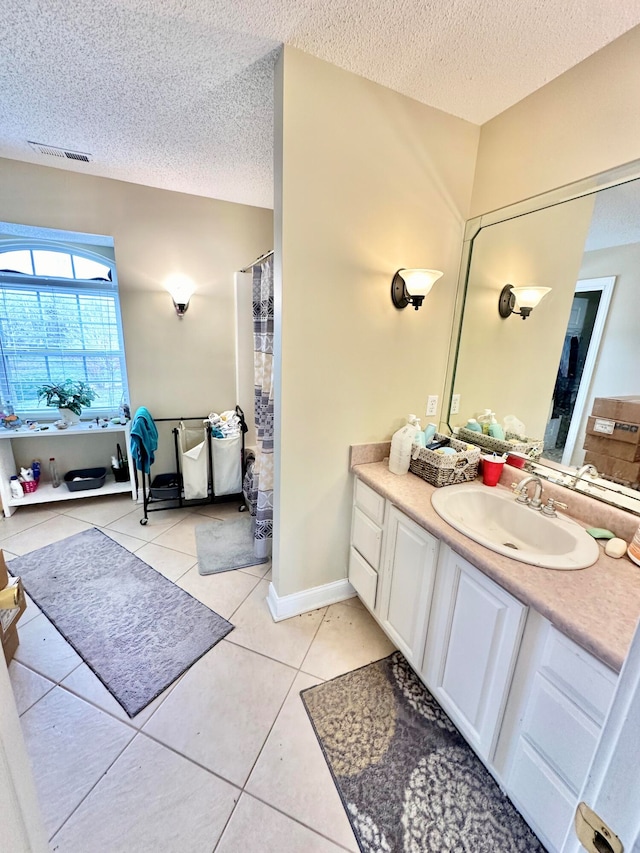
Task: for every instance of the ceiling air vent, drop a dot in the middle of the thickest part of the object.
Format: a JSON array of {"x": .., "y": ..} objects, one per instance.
[{"x": 52, "y": 151}]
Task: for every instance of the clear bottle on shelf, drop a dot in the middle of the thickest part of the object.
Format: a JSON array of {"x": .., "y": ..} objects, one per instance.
[
  {"x": 53, "y": 473},
  {"x": 16, "y": 487}
]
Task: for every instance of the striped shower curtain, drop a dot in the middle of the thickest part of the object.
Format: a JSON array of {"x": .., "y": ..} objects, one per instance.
[{"x": 262, "y": 496}]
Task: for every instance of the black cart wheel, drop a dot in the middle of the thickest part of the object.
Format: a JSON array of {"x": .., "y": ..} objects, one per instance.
[{"x": 144, "y": 521}]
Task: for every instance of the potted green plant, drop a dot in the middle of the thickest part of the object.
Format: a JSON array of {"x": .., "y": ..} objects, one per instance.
[{"x": 70, "y": 397}]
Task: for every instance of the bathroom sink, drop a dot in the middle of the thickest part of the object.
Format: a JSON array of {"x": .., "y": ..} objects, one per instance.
[{"x": 493, "y": 518}]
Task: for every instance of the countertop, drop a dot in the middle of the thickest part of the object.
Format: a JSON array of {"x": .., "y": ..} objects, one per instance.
[{"x": 597, "y": 607}]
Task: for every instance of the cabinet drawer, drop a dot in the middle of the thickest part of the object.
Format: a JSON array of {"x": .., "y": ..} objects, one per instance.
[
  {"x": 370, "y": 502},
  {"x": 583, "y": 678},
  {"x": 560, "y": 732},
  {"x": 366, "y": 537},
  {"x": 362, "y": 578}
]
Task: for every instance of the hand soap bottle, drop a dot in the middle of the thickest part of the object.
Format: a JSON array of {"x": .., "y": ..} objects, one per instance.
[
  {"x": 484, "y": 420},
  {"x": 495, "y": 429}
]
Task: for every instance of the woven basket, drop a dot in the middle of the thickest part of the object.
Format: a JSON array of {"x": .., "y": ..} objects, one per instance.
[
  {"x": 442, "y": 469},
  {"x": 512, "y": 443}
]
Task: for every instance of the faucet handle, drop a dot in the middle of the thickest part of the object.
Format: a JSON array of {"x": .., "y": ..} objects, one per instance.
[
  {"x": 522, "y": 496},
  {"x": 550, "y": 507}
]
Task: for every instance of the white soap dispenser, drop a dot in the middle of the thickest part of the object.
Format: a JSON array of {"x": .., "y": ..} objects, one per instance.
[{"x": 484, "y": 420}]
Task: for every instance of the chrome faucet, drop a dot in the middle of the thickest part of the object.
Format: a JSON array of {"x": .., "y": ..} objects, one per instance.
[
  {"x": 591, "y": 470},
  {"x": 522, "y": 491}
]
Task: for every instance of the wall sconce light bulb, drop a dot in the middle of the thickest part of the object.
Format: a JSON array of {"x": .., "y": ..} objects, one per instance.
[{"x": 181, "y": 288}]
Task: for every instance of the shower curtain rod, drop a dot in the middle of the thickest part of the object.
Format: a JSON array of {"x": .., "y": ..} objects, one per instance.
[{"x": 257, "y": 261}]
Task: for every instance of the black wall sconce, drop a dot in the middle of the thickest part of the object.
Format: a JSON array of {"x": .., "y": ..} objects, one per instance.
[
  {"x": 526, "y": 298},
  {"x": 420, "y": 282}
]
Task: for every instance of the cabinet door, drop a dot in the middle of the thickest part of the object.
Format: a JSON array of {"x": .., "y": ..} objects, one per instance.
[
  {"x": 557, "y": 704},
  {"x": 473, "y": 641},
  {"x": 408, "y": 579}
]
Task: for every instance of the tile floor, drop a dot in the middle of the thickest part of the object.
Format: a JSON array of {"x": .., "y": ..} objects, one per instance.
[{"x": 225, "y": 760}]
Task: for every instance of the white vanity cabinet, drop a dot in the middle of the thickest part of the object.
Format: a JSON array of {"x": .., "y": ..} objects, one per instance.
[
  {"x": 472, "y": 644},
  {"x": 407, "y": 581},
  {"x": 556, "y": 709},
  {"x": 529, "y": 700},
  {"x": 365, "y": 552}
]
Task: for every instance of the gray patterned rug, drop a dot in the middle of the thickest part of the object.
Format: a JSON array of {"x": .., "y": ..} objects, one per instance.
[
  {"x": 133, "y": 627},
  {"x": 406, "y": 777},
  {"x": 226, "y": 545}
]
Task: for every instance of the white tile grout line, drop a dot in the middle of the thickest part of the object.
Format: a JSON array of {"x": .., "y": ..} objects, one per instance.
[{"x": 260, "y": 751}]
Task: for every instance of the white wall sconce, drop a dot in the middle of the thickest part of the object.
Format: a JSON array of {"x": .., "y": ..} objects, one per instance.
[
  {"x": 409, "y": 287},
  {"x": 181, "y": 289},
  {"x": 526, "y": 298}
]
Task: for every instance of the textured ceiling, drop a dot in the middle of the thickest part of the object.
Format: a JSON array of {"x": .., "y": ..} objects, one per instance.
[
  {"x": 179, "y": 93},
  {"x": 616, "y": 217}
]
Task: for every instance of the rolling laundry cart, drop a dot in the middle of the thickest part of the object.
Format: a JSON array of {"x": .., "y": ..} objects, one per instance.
[{"x": 207, "y": 469}]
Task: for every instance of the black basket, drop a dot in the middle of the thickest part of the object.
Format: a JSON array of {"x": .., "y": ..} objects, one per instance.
[
  {"x": 121, "y": 474},
  {"x": 92, "y": 478},
  {"x": 165, "y": 487}
]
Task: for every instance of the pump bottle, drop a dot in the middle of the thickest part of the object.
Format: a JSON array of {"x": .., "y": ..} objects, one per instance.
[{"x": 400, "y": 454}]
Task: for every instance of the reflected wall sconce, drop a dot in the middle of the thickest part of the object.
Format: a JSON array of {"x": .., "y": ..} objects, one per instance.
[
  {"x": 409, "y": 287},
  {"x": 526, "y": 298},
  {"x": 181, "y": 289}
]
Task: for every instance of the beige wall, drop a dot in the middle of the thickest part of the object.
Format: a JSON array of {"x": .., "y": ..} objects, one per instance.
[
  {"x": 176, "y": 367},
  {"x": 510, "y": 365},
  {"x": 583, "y": 122},
  {"x": 371, "y": 181}
]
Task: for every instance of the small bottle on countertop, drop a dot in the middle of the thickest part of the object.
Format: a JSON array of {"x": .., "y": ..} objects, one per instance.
[
  {"x": 473, "y": 425},
  {"x": 495, "y": 429},
  {"x": 484, "y": 420},
  {"x": 633, "y": 551},
  {"x": 429, "y": 432},
  {"x": 16, "y": 488},
  {"x": 53, "y": 473}
]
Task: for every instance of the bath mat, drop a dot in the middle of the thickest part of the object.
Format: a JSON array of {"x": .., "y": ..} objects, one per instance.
[
  {"x": 226, "y": 545},
  {"x": 133, "y": 627},
  {"x": 407, "y": 779}
]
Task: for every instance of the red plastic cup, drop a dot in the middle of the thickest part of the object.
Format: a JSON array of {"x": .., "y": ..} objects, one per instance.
[
  {"x": 517, "y": 460},
  {"x": 491, "y": 469}
]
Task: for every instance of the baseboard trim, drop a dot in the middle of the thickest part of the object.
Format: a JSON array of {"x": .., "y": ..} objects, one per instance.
[{"x": 286, "y": 606}]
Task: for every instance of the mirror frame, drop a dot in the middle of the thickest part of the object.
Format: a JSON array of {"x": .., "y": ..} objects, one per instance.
[{"x": 586, "y": 186}]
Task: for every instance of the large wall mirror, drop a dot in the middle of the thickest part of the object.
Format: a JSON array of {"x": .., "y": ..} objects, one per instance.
[{"x": 581, "y": 342}]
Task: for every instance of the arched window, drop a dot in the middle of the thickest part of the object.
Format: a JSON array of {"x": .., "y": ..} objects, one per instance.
[{"x": 59, "y": 319}]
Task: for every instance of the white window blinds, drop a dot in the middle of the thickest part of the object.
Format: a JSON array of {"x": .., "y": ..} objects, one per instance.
[{"x": 53, "y": 329}]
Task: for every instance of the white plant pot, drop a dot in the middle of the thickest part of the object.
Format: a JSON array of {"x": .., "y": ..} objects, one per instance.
[{"x": 69, "y": 417}]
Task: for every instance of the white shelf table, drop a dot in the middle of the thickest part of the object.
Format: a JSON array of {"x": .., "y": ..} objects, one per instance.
[{"x": 46, "y": 493}]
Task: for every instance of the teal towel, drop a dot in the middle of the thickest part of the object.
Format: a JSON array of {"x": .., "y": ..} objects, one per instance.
[{"x": 144, "y": 439}]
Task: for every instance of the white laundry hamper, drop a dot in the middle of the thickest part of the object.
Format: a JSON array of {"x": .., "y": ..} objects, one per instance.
[
  {"x": 192, "y": 442},
  {"x": 227, "y": 465}
]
